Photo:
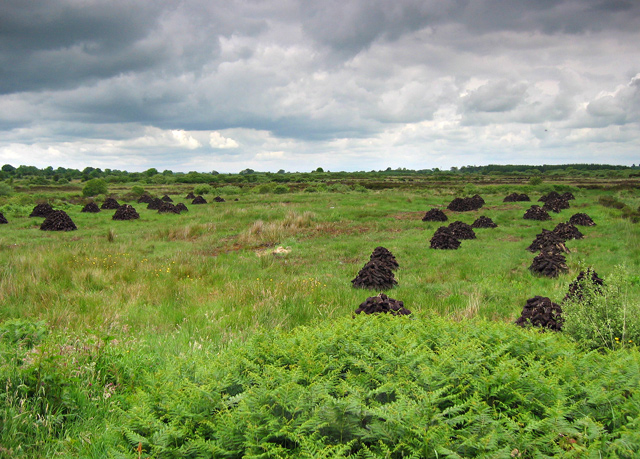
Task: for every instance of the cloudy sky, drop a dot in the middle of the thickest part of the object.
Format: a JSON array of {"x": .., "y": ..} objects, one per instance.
[{"x": 299, "y": 84}]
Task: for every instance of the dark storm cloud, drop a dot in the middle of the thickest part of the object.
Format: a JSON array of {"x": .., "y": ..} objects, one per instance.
[{"x": 257, "y": 80}]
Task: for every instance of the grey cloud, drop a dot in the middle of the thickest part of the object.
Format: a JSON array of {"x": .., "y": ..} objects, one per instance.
[
  {"x": 496, "y": 96},
  {"x": 621, "y": 107}
]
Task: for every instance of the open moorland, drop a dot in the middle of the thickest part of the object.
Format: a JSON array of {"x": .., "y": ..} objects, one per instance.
[{"x": 229, "y": 329}]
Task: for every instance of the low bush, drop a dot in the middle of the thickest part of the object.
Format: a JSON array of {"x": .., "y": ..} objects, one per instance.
[
  {"x": 602, "y": 317},
  {"x": 94, "y": 187},
  {"x": 390, "y": 387}
]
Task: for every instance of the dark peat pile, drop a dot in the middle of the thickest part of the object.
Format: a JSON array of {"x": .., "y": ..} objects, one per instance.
[
  {"x": 444, "y": 239},
  {"x": 190, "y": 195},
  {"x": 515, "y": 197},
  {"x": 168, "y": 208},
  {"x": 199, "y": 200},
  {"x": 385, "y": 257},
  {"x": 581, "y": 219},
  {"x": 91, "y": 207},
  {"x": 548, "y": 241},
  {"x": 466, "y": 204},
  {"x": 550, "y": 196},
  {"x": 155, "y": 204},
  {"x": 576, "y": 288},
  {"x": 536, "y": 213},
  {"x": 110, "y": 204},
  {"x": 483, "y": 222},
  {"x": 125, "y": 212},
  {"x": 3, "y": 219},
  {"x": 145, "y": 199},
  {"x": 181, "y": 207},
  {"x": 382, "y": 303},
  {"x": 58, "y": 220},
  {"x": 540, "y": 311},
  {"x": 166, "y": 198},
  {"x": 567, "y": 231},
  {"x": 549, "y": 264},
  {"x": 556, "y": 205},
  {"x": 434, "y": 215},
  {"x": 461, "y": 230},
  {"x": 41, "y": 210},
  {"x": 375, "y": 276},
  {"x": 218, "y": 199}
]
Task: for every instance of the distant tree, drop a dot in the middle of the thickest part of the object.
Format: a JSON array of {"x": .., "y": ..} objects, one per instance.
[
  {"x": 95, "y": 187},
  {"x": 319, "y": 169},
  {"x": 167, "y": 172},
  {"x": 137, "y": 190},
  {"x": 151, "y": 172},
  {"x": 247, "y": 171},
  {"x": 8, "y": 168},
  {"x": 281, "y": 171}
]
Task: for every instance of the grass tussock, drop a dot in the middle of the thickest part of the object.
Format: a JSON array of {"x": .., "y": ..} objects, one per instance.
[{"x": 270, "y": 233}]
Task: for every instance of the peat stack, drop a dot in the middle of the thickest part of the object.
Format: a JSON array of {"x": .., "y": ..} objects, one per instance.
[
  {"x": 483, "y": 222},
  {"x": 581, "y": 219},
  {"x": 3, "y": 220},
  {"x": 461, "y": 230},
  {"x": 434, "y": 215},
  {"x": 168, "y": 208},
  {"x": 550, "y": 196},
  {"x": 556, "y": 205},
  {"x": 181, "y": 207},
  {"x": 536, "y": 213},
  {"x": 548, "y": 241},
  {"x": 199, "y": 200},
  {"x": 58, "y": 220},
  {"x": 155, "y": 204},
  {"x": 92, "y": 207},
  {"x": 568, "y": 196},
  {"x": 166, "y": 198},
  {"x": 515, "y": 197},
  {"x": 477, "y": 200},
  {"x": 540, "y": 311},
  {"x": 444, "y": 239},
  {"x": 110, "y": 203},
  {"x": 385, "y": 257},
  {"x": 41, "y": 210},
  {"x": 549, "y": 264},
  {"x": 125, "y": 212},
  {"x": 145, "y": 199},
  {"x": 382, "y": 303},
  {"x": 567, "y": 231},
  {"x": 375, "y": 276},
  {"x": 466, "y": 204},
  {"x": 576, "y": 288},
  {"x": 190, "y": 196},
  {"x": 218, "y": 199}
]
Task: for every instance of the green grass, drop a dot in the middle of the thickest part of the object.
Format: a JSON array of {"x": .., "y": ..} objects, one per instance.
[{"x": 166, "y": 283}]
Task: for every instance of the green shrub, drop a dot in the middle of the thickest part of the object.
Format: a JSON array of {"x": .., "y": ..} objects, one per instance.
[
  {"x": 360, "y": 189},
  {"x": 338, "y": 188},
  {"x": 25, "y": 332},
  {"x": 94, "y": 187},
  {"x": 228, "y": 190},
  {"x": 264, "y": 188},
  {"x": 5, "y": 189},
  {"x": 202, "y": 189},
  {"x": 602, "y": 317},
  {"x": 137, "y": 190},
  {"x": 535, "y": 181},
  {"x": 281, "y": 189},
  {"x": 391, "y": 387}
]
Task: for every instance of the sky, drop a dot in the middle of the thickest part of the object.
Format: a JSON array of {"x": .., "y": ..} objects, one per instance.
[{"x": 346, "y": 85}]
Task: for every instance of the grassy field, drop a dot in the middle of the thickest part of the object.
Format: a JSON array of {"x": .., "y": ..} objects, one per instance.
[{"x": 211, "y": 278}]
